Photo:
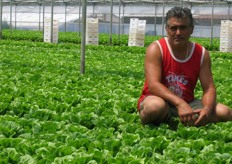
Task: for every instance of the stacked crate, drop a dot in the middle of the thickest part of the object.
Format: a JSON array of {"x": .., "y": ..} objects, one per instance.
[
  {"x": 51, "y": 35},
  {"x": 226, "y": 36},
  {"x": 137, "y": 32},
  {"x": 92, "y": 31}
]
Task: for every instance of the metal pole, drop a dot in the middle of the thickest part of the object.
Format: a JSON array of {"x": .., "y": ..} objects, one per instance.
[
  {"x": 163, "y": 18},
  {"x": 11, "y": 16},
  {"x": 43, "y": 15},
  {"x": 39, "y": 16},
  {"x": 123, "y": 12},
  {"x": 181, "y": 3},
  {"x": 80, "y": 18},
  {"x": 83, "y": 36},
  {"x": 65, "y": 18},
  {"x": 1, "y": 19},
  {"x": 52, "y": 10},
  {"x": 211, "y": 39},
  {"x": 155, "y": 19},
  {"x": 15, "y": 16},
  {"x": 111, "y": 20},
  {"x": 93, "y": 9},
  {"x": 119, "y": 21},
  {"x": 228, "y": 12}
]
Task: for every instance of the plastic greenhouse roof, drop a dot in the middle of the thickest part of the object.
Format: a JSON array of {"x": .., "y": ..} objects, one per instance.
[{"x": 60, "y": 2}]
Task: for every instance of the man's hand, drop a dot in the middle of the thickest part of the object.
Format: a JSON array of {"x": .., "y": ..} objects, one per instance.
[
  {"x": 203, "y": 116},
  {"x": 186, "y": 114}
]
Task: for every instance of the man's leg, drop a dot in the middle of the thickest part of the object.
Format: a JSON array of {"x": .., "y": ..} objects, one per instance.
[
  {"x": 153, "y": 110},
  {"x": 221, "y": 113}
]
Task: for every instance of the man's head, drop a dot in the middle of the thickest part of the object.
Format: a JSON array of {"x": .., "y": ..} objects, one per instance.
[
  {"x": 179, "y": 25},
  {"x": 180, "y": 13}
]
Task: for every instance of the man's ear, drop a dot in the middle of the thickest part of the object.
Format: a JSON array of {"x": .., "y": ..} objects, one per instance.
[
  {"x": 192, "y": 30},
  {"x": 166, "y": 27}
]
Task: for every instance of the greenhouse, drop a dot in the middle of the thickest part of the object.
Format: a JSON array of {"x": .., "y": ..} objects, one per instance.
[
  {"x": 72, "y": 72},
  {"x": 29, "y": 14}
]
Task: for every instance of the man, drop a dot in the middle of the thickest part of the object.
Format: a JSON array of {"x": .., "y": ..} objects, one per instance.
[{"x": 173, "y": 66}]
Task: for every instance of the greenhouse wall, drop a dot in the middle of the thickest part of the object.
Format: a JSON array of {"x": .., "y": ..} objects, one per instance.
[
  {"x": 199, "y": 31},
  {"x": 31, "y": 17}
]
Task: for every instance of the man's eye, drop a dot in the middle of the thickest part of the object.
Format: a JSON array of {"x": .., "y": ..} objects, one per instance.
[
  {"x": 173, "y": 28},
  {"x": 183, "y": 27}
]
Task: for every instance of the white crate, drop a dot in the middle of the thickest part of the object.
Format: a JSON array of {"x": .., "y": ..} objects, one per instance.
[
  {"x": 51, "y": 33},
  {"x": 48, "y": 39},
  {"x": 226, "y": 36},
  {"x": 132, "y": 44},
  {"x": 90, "y": 42},
  {"x": 136, "y": 32},
  {"x": 92, "y": 20},
  {"x": 92, "y": 25},
  {"x": 134, "y": 20},
  {"x": 225, "y": 40},
  {"x": 226, "y": 29},
  {"x": 140, "y": 36},
  {"x": 137, "y": 36},
  {"x": 92, "y": 34},
  {"x": 225, "y": 43},
  {"x": 132, "y": 30},
  {"x": 141, "y": 31},
  {"x": 92, "y": 38},
  {"x": 225, "y": 46},
  {"x": 142, "y": 23},
  {"x": 132, "y": 35},
  {"x": 226, "y": 25},
  {"x": 91, "y": 30},
  {"x": 135, "y": 44},
  {"x": 225, "y": 22},
  {"x": 225, "y": 49}
]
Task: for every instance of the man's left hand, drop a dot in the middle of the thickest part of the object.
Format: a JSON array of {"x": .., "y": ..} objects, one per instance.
[{"x": 203, "y": 116}]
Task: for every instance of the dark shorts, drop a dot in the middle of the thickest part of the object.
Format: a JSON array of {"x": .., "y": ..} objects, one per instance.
[{"x": 195, "y": 104}]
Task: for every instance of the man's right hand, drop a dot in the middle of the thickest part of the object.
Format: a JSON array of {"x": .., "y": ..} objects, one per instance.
[{"x": 186, "y": 114}]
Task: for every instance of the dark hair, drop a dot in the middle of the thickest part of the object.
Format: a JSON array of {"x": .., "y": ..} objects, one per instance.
[{"x": 180, "y": 12}]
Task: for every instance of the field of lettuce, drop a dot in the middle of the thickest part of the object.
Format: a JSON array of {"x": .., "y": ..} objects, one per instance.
[{"x": 50, "y": 113}]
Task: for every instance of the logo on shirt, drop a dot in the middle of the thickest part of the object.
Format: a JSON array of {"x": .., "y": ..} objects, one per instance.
[{"x": 176, "y": 83}]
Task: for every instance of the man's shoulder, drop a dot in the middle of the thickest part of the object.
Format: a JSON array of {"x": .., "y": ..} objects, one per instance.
[{"x": 159, "y": 41}]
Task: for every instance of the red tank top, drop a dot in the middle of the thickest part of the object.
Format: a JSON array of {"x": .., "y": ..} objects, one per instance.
[{"x": 179, "y": 76}]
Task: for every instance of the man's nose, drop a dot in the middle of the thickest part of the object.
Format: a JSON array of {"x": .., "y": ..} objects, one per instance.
[{"x": 178, "y": 31}]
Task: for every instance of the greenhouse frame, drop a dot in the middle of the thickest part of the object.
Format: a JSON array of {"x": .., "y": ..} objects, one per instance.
[{"x": 114, "y": 15}]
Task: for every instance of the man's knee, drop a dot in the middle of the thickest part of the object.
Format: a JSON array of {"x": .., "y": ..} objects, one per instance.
[
  {"x": 154, "y": 110},
  {"x": 223, "y": 112}
]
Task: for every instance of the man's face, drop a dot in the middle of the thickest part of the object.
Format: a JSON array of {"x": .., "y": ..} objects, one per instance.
[{"x": 179, "y": 30}]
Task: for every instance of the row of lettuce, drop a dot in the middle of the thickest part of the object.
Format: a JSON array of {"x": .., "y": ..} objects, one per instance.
[
  {"x": 50, "y": 113},
  {"x": 74, "y": 37}
]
